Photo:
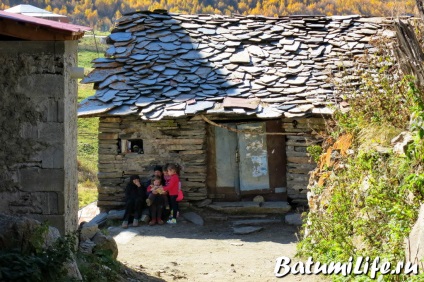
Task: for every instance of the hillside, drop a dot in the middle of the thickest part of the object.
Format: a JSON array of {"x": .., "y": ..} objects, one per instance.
[{"x": 100, "y": 14}]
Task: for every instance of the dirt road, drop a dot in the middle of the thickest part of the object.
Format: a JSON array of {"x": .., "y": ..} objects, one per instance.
[{"x": 212, "y": 252}]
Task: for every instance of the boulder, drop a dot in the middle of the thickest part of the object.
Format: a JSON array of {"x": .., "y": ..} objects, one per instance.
[
  {"x": 114, "y": 214},
  {"x": 88, "y": 230},
  {"x": 86, "y": 247},
  {"x": 100, "y": 218},
  {"x": 204, "y": 203},
  {"x": 16, "y": 232},
  {"x": 194, "y": 218},
  {"x": 259, "y": 199},
  {"x": 73, "y": 271},
  {"x": 414, "y": 244},
  {"x": 401, "y": 142},
  {"x": 21, "y": 233},
  {"x": 104, "y": 243},
  {"x": 293, "y": 219}
]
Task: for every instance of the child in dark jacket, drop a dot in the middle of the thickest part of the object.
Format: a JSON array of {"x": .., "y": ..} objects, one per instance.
[{"x": 172, "y": 189}]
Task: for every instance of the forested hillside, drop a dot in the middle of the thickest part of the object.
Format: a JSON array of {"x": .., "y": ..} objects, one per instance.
[{"x": 100, "y": 14}]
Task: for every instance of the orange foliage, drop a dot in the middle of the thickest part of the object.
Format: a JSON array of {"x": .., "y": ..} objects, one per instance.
[{"x": 100, "y": 14}]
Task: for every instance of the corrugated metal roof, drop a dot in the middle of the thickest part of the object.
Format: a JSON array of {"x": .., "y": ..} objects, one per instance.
[
  {"x": 22, "y": 9},
  {"x": 47, "y": 23}
]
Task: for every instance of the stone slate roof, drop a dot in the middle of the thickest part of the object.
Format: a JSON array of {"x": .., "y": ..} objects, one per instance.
[{"x": 170, "y": 65}]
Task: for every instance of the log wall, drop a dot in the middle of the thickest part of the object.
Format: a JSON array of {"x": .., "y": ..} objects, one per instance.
[
  {"x": 167, "y": 141},
  {"x": 299, "y": 163},
  {"x": 183, "y": 141}
]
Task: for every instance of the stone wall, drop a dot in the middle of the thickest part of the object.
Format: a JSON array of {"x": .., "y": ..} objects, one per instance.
[
  {"x": 167, "y": 141},
  {"x": 184, "y": 142},
  {"x": 38, "y": 175},
  {"x": 299, "y": 163}
]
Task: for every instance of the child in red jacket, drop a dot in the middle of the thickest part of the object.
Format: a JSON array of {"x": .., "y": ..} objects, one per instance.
[{"x": 172, "y": 188}]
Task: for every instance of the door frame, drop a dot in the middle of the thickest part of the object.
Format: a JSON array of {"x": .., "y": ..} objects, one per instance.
[{"x": 277, "y": 168}]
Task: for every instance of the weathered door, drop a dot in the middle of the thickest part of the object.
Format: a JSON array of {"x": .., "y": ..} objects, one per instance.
[
  {"x": 226, "y": 162},
  {"x": 253, "y": 160},
  {"x": 241, "y": 159}
]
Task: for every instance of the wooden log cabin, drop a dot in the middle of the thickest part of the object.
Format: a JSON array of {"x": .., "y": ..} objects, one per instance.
[{"x": 234, "y": 100}]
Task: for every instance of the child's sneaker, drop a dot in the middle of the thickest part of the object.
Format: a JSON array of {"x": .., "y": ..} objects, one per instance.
[
  {"x": 160, "y": 221},
  {"x": 148, "y": 202},
  {"x": 152, "y": 222},
  {"x": 135, "y": 222},
  {"x": 172, "y": 221},
  {"x": 125, "y": 224}
]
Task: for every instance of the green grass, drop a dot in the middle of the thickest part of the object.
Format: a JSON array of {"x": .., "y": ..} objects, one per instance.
[{"x": 87, "y": 135}]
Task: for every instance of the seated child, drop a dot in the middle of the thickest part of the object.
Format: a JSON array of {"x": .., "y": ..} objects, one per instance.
[
  {"x": 157, "y": 197},
  {"x": 156, "y": 189}
]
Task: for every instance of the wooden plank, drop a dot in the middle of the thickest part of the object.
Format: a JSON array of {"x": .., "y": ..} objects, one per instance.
[
  {"x": 299, "y": 160},
  {"x": 109, "y": 130},
  {"x": 109, "y": 174},
  {"x": 191, "y": 184},
  {"x": 111, "y": 119},
  {"x": 179, "y": 141},
  {"x": 201, "y": 169},
  {"x": 109, "y": 141},
  {"x": 110, "y": 203},
  {"x": 193, "y": 152},
  {"x": 297, "y": 177},
  {"x": 184, "y": 147},
  {"x": 108, "y": 136},
  {"x": 106, "y": 158},
  {"x": 296, "y": 154},
  {"x": 276, "y": 155}
]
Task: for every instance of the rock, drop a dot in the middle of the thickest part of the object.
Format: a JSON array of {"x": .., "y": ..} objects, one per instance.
[
  {"x": 104, "y": 243},
  {"x": 293, "y": 219},
  {"x": 259, "y": 199},
  {"x": 15, "y": 232},
  {"x": 87, "y": 246},
  {"x": 401, "y": 142},
  {"x": 88, "y": 231},
  {"x": 114, "y": 214},
  {"x": 256, "y": 221},
  {"x": 414, "y": 250},
  {"x": 236, "y": 244},
  {"x": 52, "y": 235},
  {"x": 72, "y": 270},
  {"x": 246, "y": 229},
  {"x": 204, "y": 203},
  {"x": 18, "y": 233},
  {"x": 194, "y": 218},
  {"x": 124, "y": 237},
  {"x": 100, "y": 218}
]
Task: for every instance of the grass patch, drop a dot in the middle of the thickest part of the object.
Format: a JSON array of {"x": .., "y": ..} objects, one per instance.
[{"x": 87, "y": 154}]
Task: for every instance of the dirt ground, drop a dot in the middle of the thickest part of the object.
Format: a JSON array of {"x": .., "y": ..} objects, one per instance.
[{"x": 211, "y": 252}]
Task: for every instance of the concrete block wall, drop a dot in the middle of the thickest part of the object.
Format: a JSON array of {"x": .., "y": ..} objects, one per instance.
[{"x": 38, "y": 131}]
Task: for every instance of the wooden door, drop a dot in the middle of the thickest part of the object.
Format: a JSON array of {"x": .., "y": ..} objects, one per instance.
[{"x": 253, "y": 157}]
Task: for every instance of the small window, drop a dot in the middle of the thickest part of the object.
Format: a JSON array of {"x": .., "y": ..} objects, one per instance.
[{"x": 132, "y": 146}]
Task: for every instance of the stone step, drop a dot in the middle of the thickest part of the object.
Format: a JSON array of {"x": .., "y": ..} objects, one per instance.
[
  {"x": 280, "y": 207},
  {"x": 256, "y": 221}
]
